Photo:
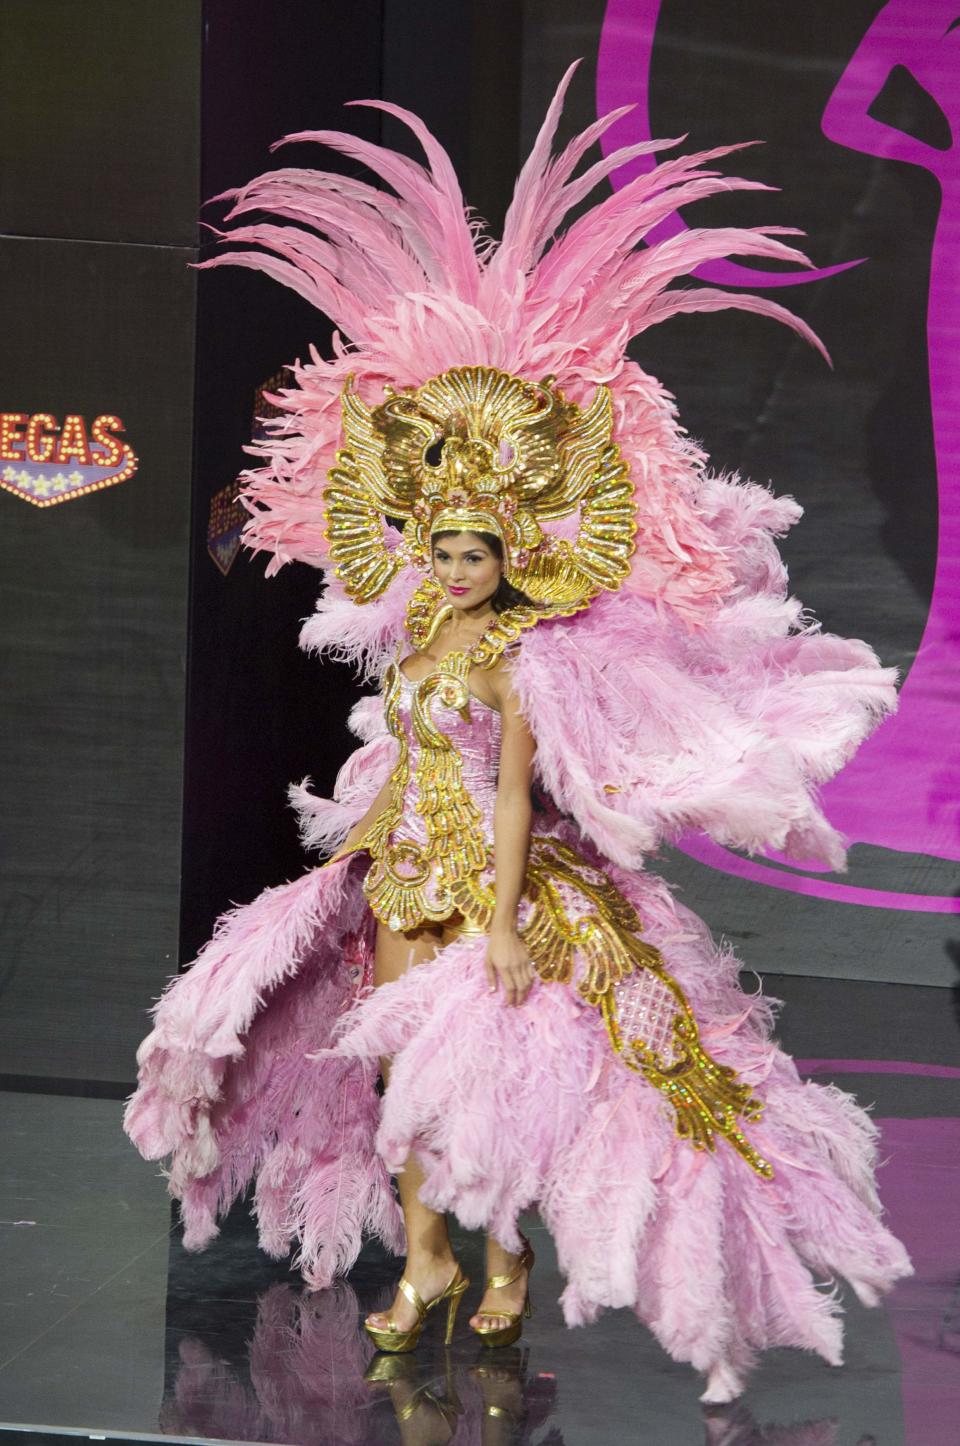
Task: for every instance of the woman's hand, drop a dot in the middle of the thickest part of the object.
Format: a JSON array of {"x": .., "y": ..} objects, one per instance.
[{"x": 508, "y": 963}]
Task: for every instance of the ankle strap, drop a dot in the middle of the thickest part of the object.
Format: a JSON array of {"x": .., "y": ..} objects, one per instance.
[
  {"x": 413, "y": 1296},
  {"x": 497, "y": 1282}
]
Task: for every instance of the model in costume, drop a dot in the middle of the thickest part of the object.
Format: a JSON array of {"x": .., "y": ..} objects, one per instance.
[{"x": 574, "y": 600}]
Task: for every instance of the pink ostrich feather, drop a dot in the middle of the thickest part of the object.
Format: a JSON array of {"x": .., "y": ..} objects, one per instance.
[
  {"x": 646, "y": 731},
  {"x": 225, "y": 1087},
  {"x": 415, "y": 285},
  {"x": 504, "y": 1107}
]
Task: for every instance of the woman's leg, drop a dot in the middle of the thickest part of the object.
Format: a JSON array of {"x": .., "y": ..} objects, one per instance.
[{"x": 430, "y": 1262}]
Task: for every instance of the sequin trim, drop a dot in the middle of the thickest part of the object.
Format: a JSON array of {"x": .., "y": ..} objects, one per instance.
[{"x": 652, "y": 1028}]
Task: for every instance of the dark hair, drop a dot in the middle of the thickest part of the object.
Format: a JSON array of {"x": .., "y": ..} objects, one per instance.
[{"x": 506, "y": 595}]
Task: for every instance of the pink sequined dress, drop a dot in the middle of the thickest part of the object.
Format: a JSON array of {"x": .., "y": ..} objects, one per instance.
[{"x": 636, "y": 1099}]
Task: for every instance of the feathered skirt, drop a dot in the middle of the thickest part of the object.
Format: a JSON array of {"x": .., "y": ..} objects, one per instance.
[{"x": 262, "y": 1068}]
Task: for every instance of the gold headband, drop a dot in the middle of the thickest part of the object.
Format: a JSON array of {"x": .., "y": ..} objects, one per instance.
[{"x": 465, "y": 519}]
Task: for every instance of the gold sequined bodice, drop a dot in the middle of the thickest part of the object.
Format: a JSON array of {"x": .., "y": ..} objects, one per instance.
[{"x": 435, "y": 838}]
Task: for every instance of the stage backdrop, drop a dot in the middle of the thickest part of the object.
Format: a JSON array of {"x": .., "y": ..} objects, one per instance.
[
  {"x": 154, "y": 701},
  {"x": 855, "y": 105},
  {"x": 155, "y": 704}
]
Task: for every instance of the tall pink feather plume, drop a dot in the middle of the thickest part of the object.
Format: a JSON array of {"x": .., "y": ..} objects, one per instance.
[
  {"x": 379, "y": 213},
  {"x": 457, "y": 237},
  {"x": 416, "y": 287},
  {"x": 541, "y": 198},
  {"x": 612, "y": 228},
  {"x": 707, "y": 298}
]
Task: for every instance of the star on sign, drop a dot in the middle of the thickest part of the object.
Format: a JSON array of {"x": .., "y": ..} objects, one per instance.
[
  {"x": 76, "y": 477},
  {"x": 41, "y": 485},
  {"x": 10, "y": 474},
  {"x": 24, "y": 478}
]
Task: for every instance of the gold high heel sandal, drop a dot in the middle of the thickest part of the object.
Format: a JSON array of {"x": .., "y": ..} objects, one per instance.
[
  {"x": 494, "y": 1336},
  {"x": 394, "y": 1340}
]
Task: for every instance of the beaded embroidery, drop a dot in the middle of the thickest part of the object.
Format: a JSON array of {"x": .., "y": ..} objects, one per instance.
[{"x": 410, "y": 882}]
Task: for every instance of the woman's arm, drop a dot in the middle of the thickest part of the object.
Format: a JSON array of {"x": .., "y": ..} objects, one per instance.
[{"x": 507, "y": 958}]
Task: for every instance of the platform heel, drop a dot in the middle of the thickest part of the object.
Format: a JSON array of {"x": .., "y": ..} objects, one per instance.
[
  {"x": 497, "y": 1336},
  {"x": 394, "y": 1341}
]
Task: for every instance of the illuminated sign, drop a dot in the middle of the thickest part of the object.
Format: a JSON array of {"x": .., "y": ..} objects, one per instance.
[
  {"x": 45, "y": 462},
  {"x": 226, "y": 517}
]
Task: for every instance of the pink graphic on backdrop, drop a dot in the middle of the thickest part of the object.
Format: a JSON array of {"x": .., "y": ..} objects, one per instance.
[
  {"x": 901, "y": 790},
  {"x": 623, "y": 78},
  {"x": 922, "y": 1166}
]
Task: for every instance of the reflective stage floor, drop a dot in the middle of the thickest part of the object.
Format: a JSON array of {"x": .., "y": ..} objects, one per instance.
[{"x": 110, "y": 1328}]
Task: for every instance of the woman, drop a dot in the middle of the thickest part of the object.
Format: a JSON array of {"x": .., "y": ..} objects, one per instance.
[
  {"x": 469, "y": 567},
  {"x": 576, "y": 601}
]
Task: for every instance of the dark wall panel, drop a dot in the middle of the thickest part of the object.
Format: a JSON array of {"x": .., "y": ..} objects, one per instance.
[
  {"x": 93, "y": 602},
  {"x": 261, "y": 714},
  {"x": 114, "y": 815},
  {"x": 100, "y": 107},
  {"x": 100, "y": 161}
]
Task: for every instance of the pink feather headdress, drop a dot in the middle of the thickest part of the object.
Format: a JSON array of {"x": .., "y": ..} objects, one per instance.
[{"x": 415, "y": 287}]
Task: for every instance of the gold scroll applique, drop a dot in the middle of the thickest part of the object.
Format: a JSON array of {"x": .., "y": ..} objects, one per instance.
[
  {"x": 652, "y": 1028},
  {"x": 649, "y": 1021},
  {"x": 409, "y": 882}
]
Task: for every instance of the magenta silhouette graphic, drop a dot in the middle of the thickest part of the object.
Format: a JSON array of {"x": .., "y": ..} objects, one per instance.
[{"x": 902, "y": 789}]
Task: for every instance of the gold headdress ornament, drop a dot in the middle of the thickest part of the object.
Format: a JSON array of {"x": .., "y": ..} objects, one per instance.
[{"x": 478, "y": 450}]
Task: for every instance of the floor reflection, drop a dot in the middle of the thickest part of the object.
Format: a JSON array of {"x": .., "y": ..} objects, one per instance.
[
  {"x": 735, "y": 1426},
  {"x": 107, "y": 1317},
  {"x": 310, "y": 1376},
  {"x": 300, "y": 1379},
  {"x": 495, "y": 1402}
]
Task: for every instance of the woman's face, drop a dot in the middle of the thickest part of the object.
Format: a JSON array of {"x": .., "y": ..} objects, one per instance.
[{"x": 466, "y": 569}]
